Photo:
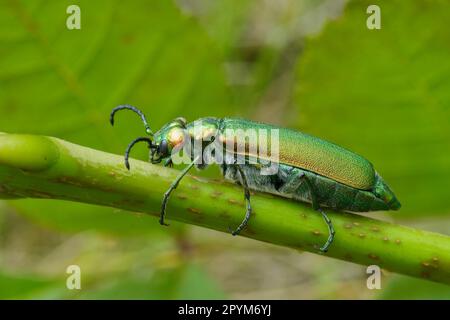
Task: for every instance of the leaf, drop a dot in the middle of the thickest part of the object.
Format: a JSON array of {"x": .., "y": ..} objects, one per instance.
[
  {"x": 196, "y": 284},
  {"x": 26, "y": 287},
  {"x": 402, "y": 287},
  {"x": 64, "y": 83},
  {"x": 187, "y": 281},
  {"x": 385, "y": 94}
]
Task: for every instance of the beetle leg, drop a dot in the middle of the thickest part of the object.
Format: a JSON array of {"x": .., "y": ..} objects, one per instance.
[
  {"x": 172, "y": 187},
  {"x": 247, "y": 198},
  {"x": 331, "y": 231},
  {"x": 168, "y": 163},
  {"x": 294, "y": 181}
]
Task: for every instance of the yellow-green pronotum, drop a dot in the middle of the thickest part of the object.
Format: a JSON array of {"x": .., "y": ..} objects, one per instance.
[{"x": 307, "y": 168}]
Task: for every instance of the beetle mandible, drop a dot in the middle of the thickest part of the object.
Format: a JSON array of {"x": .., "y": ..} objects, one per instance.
[{"x": 309, "y": 169}]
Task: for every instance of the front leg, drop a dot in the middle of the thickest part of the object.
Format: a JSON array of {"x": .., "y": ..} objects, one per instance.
[
  {"x": 172, "y": 187},
  {"x": 168, "y": 163}
]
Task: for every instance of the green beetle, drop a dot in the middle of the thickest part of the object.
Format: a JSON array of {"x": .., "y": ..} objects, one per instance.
[{"x": 309, "y": 169}]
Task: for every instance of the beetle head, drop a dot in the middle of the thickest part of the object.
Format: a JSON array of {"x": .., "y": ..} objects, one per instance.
[
  {"x": 169, "y": 140},
  {"x": 163, "y": 143}
]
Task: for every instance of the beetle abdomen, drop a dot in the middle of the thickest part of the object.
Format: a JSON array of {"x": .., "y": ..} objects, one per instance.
[
  {"x": 339, "y": 196},
  {"x": 328, "y": 193},
  {"x": 307, "y": 152}
]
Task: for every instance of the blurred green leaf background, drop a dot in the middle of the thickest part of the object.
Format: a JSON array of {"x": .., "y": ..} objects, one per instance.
[{"x": 310, "y": 65}]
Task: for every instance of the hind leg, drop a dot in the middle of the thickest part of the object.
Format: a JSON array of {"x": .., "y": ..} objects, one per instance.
[
  {"x": 331, "y": 231},
  {"x": 295, "y": 179}
]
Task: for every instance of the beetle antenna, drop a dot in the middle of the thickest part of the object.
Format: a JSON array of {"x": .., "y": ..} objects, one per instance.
[
  {"x": 139, "y": 112},
  {"x": 131, "y": 145}
]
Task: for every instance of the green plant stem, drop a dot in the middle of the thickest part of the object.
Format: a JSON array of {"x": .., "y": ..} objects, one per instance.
[{"x": 44, "y": 167}]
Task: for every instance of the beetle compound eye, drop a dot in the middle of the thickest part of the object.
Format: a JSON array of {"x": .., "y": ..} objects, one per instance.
[{"x": 163, "y": 147}]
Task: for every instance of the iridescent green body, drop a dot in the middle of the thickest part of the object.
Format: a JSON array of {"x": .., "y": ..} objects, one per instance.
[
  {"x": 300, "y": 150},
  {"x": 341, "y": 179},
  {"x": 306, "y": 168}
]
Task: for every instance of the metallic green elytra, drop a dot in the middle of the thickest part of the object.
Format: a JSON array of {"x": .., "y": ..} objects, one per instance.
[
  {"x": 300, "y": 150},
  {"x": 309, "y": 169}
]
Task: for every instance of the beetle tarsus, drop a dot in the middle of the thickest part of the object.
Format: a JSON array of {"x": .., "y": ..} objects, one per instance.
[
  {"x": 249, "y": 206},
  {"x": 331, "y": 232},
  {"x": 168, "y": 163},
  {"x": 164, "y": 204}
]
